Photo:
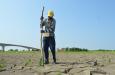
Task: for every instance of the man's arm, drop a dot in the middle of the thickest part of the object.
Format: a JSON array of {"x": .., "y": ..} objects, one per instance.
[
  {"x": 52, "y": 28},
  {"x": 43, "y": 23}
]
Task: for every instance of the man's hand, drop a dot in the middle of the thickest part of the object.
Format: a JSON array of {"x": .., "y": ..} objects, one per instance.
[
  {"x": 42, "y": 31},
  {"x": 41, "y": 18}
]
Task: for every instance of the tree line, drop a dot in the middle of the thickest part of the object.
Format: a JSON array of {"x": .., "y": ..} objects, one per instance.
[{"x": 74, "y": 49}]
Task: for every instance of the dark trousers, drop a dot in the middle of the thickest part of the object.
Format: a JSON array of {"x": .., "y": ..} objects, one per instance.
[{"x": 49, "y": 42}]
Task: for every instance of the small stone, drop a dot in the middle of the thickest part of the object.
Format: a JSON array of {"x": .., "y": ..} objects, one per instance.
[
  {"x": 14, "y": 65},
  {"x": 13, "y": 70}
]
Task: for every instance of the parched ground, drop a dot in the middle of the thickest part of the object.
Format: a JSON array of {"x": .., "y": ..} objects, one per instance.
[{"x": 68, "y": 63}]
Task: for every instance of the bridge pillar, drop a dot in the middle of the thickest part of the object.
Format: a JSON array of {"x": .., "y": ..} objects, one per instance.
[
  {"x": 3, "y": 48},
  {"x": 28, "y": 49}
]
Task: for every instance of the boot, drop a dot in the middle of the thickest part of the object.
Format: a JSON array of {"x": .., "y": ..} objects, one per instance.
[
  {"x": 54, "y": 61},
  {"x": 46, "y": 61}
]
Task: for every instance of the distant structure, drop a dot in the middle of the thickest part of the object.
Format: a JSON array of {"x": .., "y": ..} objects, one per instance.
[{"x": 3, "y": 45}]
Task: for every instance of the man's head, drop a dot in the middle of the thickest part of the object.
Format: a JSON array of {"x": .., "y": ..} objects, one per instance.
[{"x": 50, "y": 14}]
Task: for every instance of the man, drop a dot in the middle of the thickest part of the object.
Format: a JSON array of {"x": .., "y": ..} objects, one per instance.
[{"x": 48, "y": 30}]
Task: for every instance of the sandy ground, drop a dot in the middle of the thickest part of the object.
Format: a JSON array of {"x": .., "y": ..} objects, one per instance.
[{"x": 98, "y": 63}]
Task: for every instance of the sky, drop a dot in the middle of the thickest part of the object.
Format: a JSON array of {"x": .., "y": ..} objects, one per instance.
[{"x": 79, "y": 23}]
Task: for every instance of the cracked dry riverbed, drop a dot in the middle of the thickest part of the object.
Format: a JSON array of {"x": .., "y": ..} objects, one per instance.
[{"x": 68, "y": 63}]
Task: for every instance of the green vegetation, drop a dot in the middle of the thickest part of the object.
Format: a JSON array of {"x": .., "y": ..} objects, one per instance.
[
  {"x": 75, "y": 49},
  {"x": 41, "y": 63},
  {"x": 15, "y": 50},
  {"x": 28, "y": 62},
  {"x": 65, "y": 50},
  {"x": 2, "y": 64},
  {"x": 18, "y": 52},
  {"x": 59, "y": 73}
]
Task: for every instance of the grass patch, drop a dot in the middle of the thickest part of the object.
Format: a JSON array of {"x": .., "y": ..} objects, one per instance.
[
  {"x": 88, "y": 52},
  {"x": 2, "y": 65},
  {"x": 19, "y": 52},
  {"x": 59, "y": 73},
  {"x": 39, "y": 53},
  {"x": 28, "y": 62}
]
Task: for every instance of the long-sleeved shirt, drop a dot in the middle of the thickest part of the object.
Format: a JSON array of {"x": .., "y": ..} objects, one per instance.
[{"x": 48, "y": 27}]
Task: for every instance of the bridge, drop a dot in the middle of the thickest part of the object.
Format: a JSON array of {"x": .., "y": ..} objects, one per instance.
[{"x": 3, "y": 45}]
